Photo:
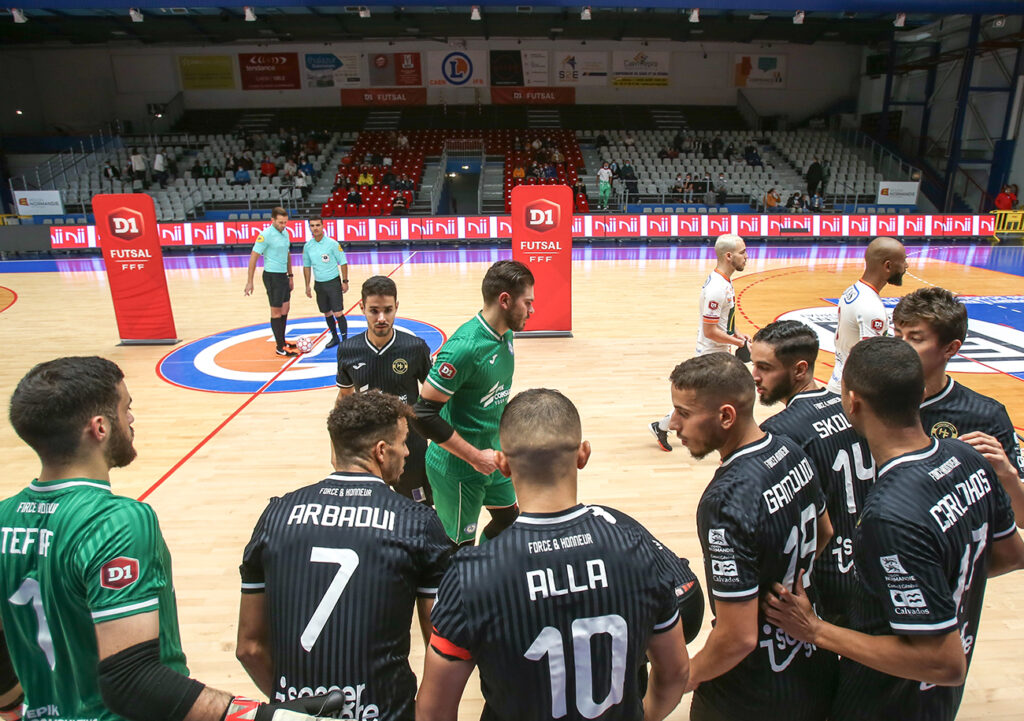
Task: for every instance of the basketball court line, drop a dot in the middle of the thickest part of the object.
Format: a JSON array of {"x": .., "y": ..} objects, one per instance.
[
  {"x": 14, "y": 297},
  {"x": 234, "y": 414}
]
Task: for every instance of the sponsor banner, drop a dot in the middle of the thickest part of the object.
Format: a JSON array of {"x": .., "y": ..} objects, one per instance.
[
  {"x": 759, "y": 71},
  {"x": 327, "y": 70},
  {"x": 458, "y": 68},
  {"x": 533, "y": 96},
  {"x": 388, "y": 69},
  {"x": 519, "y": 67},
  {"x": 581, "y": 69},
  {"x": 130, "y": 239},
  {"x": 270, "y": 71},
  {"x": 38, "y": 202},
  {"x": 542, "y": 240},
  {"x": 897, "y": 193},
  {"x": 640, "y": 69},
  {"x": 206, "y": 72},
  {"x": 384, "y": 96},
  {"x": 497, "y": 227}
]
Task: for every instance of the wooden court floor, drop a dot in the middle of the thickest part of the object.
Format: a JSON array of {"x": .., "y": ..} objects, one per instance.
[{"x": 635, "y": 317}]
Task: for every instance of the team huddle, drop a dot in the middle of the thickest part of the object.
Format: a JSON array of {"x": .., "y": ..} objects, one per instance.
[{"x": 847, "y": 539}]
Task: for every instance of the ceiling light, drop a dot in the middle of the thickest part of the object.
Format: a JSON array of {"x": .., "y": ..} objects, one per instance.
[
  {"x": 18, "y": 15},
  {"x": 798, "y": 17},
  {"x": 474, "y": 14},
  {"x": 250, "y": 14},
  {"x": 136, "y": 15},
  {"x": 695, "y": 15},
  {"x": 585, "y": 14},
  {"x": 364, "y": 12},
  {"x": 19, "y": 112},
  {"x": 900, "y": 21}
]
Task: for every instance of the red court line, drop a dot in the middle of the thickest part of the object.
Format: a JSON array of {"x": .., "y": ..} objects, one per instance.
[
  {"x": 14, "y": 298},
  {"x": 242, "y": 407}
]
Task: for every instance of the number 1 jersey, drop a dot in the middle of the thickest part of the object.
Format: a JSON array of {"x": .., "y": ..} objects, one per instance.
[
  {"x": 341, "y": 563},
  {"x": 557, "y": 613}
]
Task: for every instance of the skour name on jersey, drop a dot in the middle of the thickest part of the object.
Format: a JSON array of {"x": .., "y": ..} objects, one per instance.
[
  {"x": 779, "y": 495},
  {"x": 557, "y": 544},
  {"x": 954, "y": 505},
  {"x": 24, "y": 541},
  {"x": 327, "y": 514},
  {"x": 832, "y": 425},
  {"x": 544, "y": 582},
  {"x": 354, "y": 707}
]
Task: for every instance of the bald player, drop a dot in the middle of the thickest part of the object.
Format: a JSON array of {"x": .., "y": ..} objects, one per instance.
[
  {"x": 717, "y": 329},
  {"x": 861, "y": 311}
]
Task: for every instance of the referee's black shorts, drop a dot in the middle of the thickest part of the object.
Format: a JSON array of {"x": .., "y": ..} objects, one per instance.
[
  {"x": 328, "y": 295},
  {"x": 278, "y": 292}
]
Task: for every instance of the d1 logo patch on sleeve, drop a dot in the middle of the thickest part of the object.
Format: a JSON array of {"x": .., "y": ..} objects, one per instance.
[
  {"x": 119, "y": 573},
  {"x": 446, "y": 371},
  {"x": 877, "y": 325},
  {"x": 713, "y": 304}
]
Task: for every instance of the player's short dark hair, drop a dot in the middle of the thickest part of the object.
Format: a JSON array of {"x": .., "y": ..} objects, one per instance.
[
  {"x": 506, "y": 276},
  {"x": 540, "y": 431},
  {"x": 791, "y": 341},
  {"x": 315, "y": 220},
  {"x": 886, "y": 374},
  {"x": 53, "y": 402},
  {"x": 939, "y": 309},
  {"x": 379, "y": 285},
  {"x": 360, "y": 420},
  {"x": 716, "y": 378},
  {"x": 274, "y": 212}
]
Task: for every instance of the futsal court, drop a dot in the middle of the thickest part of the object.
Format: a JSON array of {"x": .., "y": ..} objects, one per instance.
[{"x": 222, "y": 424}]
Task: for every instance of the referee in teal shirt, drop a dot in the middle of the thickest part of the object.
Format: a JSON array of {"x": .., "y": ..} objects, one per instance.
[
  {"x": 322, "y": 256},
  {"x": 274, "y": 244}
]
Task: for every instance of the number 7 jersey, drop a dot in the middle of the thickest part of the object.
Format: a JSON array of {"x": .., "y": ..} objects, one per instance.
[{"x": 73, "y": 555}]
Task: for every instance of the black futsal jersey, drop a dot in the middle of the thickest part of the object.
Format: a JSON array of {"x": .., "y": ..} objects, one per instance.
[
  {"x": 341, "y": 563},
  {"x": 557, "y": 613},
  {"x": 757, "y": 523},
  {"x": 815, "y": 420},
  {"x": 921, "y": 553},
  {"x": 957, "y": 410},
  {"x": 398, "y": 368}
]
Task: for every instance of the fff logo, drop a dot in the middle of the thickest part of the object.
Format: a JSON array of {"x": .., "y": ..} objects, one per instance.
[{"x": 542, "y": 216}]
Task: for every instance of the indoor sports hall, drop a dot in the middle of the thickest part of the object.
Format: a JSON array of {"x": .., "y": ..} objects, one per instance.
[{"x": 920, "y": 99}]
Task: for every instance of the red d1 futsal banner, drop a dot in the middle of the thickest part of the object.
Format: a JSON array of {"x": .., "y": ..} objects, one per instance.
[
  {"x": 542, "y": 240},
  {"x": 130, "y": 238}
]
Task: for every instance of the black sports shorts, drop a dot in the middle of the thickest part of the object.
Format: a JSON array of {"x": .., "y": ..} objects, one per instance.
[
  {"x": 278, "y": 292},
  {"x": 328, "y": 295}
]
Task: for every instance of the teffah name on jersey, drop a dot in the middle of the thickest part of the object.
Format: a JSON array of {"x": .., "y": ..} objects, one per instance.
[
  {"x": 18, "y": 541},
  {"x": 783, "y": 492}
]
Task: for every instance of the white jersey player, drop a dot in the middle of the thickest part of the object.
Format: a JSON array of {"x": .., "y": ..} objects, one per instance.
[
  {"x": 716, "y": 328},
  {"x": 861, "y": 311}
]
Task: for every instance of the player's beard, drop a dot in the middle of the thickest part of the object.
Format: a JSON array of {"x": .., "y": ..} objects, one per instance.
[
  {"x": 514, "y": 320},
  {"x": 119, "y": 451},
  {"x": 381, "y": 332},
  {"x": 781, "y": 391},
  {"x": 895, "y": 279}
]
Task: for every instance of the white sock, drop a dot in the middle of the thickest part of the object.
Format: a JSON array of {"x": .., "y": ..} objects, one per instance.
[{"x": 663, "y": 423}]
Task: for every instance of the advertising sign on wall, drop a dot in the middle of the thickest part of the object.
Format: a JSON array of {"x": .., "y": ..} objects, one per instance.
[
  {"x": 38, "y": 202},
  {"x": 897, "y": 193},
  {"x": 327, "y": 70},
  {"x": 458, "y": 68},
  {"x": 384, "y": 96},
  {"x": 389, "y": 69},
  {"x": 533, "y": 96},
  {"x": 269, "y": 71},
  {"x": 640, "y": 69},
  {"x": 759, "y": 71},
  {"x": 206, "y": 72},
  {"x": 513, "y": 68}
]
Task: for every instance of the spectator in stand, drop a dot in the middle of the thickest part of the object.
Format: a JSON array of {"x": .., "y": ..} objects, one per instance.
[
  {"x": 579, "y": 188},
  {"x": 196, "y": 171},
  {"x": 402, "y": 141},
  {"x": 365, "y": 177},
  {"x": 139, "y": 165},
  {"x": 242, "y": 176},
  {"x": 604, "y": 185},
  {"x": 614, "y": 167},
  {"x": 301, "y": 180},
  {"x": 388, "y": 180},
  {"x": 628, "y": 174},
  {"x": 519, "y": 171},
  {"x": 721, "y": 189},
  {"x": 209, "y": 171},
  {"x": 405, "y": 183},
  {"x": 387, "y": 161},
  {"x": 289, "y": 169},
  {"x": 629, "y": 141},
  {"x": 814, "y": 174},
  {"x": 667, "y": 153},
  {"x": 679, "y": 141},
  {"x": 535, "y": 170},
  {"x": 1003, "y": 201},
  {"x": 354, "y": 197},
  {"x": 518, "y": 145},
  {"x": 805, "y": 203},
  {"x": 230, "y": 164},
  {"x": 706, "y": 183},
  {"x": 557, "y": 157},
  {"x": 247, "y": 161},
  {"x": 601, "y": 141},
  {"x": 754, "y": 158},
  {"x": 730, "y": 150},
  {"x": 550, "y": 172},
  {"x": 772, "y": 200},
  {"x": 110, "y": 172},
  {"x": 398, "y": 205},
  {"x": 816, "y": 203},
  {"x": 717, "y": 146},
  {"x": 677, "y": 187},
  {"x": 537, "y": 144},
  {"x": 688, "y": 189},
  {"x": 268, "y": 169},
  {"x": 307, "y": 167}
]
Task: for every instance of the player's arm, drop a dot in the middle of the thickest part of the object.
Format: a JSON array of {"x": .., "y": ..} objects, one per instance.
[
  {"x": 11, "y": 695},
  {"x": 306, "y": 272},
  {"x": 423, "y": 608},
  {"x": 433, "y": 427},
  {"x": 937, "y": 659},
  {"x": 253, "y": 646},
  {"x": 253, "y": 259},
  {"x": 825, "y": 532},
  {"x": 444, "y": 680},
  {"x": 344, "y": 391},
  {"x": 670, "y": 671},
  {"x": 1007, "y": 555},
  {"x": 714, "y": 333},
  {"x": 1008, "y": 475},
  {"x": 732, "y": 638}
]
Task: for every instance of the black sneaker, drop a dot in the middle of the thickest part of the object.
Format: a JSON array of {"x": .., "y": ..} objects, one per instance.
[
  {"x": 661, "y": 436},
  {"x": 332, "y": 342},
  {"x": 286, "y": 352}
]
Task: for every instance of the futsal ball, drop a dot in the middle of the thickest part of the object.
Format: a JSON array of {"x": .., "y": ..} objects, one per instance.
[{"x": 304, "y": 344}]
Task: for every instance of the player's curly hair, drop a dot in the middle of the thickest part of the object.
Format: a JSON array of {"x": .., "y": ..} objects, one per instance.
[
  {"x": 54, "y": 401},
  {"x": 506, "y": 276},
  {"x": 791, "y": 341},
  {"x": 716, "y": 378},
  {"x": 886, "y": 373},
  {"x": 937, "y": 308},
  {"x": 361, "y": 420}
]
